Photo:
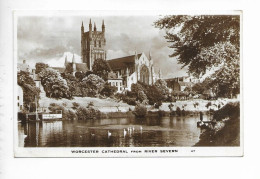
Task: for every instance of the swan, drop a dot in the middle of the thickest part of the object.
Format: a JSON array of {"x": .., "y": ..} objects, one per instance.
[
  {"x": 125, "y": 132},
  {"x": 109, "y": 134}
]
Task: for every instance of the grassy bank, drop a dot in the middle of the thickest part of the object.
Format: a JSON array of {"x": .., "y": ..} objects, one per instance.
[{"x": 227, "y": 130}]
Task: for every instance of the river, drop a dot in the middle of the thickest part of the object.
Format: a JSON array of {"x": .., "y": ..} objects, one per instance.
[{"x": 149, "y": 132}]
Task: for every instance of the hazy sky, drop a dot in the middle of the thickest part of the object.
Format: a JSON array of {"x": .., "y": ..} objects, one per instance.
[{"x": 50, "y": 39}]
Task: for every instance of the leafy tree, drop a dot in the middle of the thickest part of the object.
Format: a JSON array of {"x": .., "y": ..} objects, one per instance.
[
  {"x": 54, "y": 85},
  {"x": 92, "y": 85},
  {"x": 73, "y": 84},
  {"x": 140, "y": 111},
  {"x": 154, "y": 95},
  {"x": 79, "y": 75},
  {"x": 101, "y": 68},
  {"x": 108, "y": 90},
  {"x": 138, "y": 90},
  {"x": 199, "y": 88},
  {"x": 162, "y": 86},
  {"x": 40, "y": 66},
  {"x": 204, "y": 42},
  {"x": 88, "y": 73},
  {"x": 30, "y": 91}
]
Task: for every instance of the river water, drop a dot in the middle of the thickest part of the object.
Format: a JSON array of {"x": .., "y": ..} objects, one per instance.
[{"x": 150, "y": 132}]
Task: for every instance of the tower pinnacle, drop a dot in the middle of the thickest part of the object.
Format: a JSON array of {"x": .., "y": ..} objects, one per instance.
[
  {"x": 95, "y": 28},
  {"x": 103, "y": 26}
]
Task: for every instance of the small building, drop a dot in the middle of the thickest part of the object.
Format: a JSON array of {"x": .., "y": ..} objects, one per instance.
[
  {"x": 19, "y": 98},
  {"x": 179, "y": 84},
  {"x": 116, "y": 81}
]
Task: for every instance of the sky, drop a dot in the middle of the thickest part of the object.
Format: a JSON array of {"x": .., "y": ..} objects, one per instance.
[{"x": 49, "y": 39}]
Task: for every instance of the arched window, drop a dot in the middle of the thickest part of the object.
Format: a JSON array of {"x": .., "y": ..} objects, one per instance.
[
  {"x": 144, "y": 74},
  {"x": 100, "y": 43},
  {"x": 95, "y": 43}
]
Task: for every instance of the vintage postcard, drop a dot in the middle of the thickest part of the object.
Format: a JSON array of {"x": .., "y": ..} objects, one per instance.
[{"x": 127, "y": 84}]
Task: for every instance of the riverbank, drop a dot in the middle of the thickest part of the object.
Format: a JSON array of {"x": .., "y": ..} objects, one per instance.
[
  {"x": 226, "y": 132},
  {"x": 112, "y": 105}
]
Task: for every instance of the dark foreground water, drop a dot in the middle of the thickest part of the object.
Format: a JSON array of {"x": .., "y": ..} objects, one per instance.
[{"x": 166, "y": 131}]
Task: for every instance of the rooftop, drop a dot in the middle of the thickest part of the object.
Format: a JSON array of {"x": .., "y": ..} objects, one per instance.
[{"x": 123, "y": 62}]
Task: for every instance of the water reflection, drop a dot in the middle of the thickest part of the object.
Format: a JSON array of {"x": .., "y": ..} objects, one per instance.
[{"x": 125, "y": 132}]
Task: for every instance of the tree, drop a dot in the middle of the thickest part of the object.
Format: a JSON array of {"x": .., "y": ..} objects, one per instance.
[
  {"x": 73, "y": 84},
  {"x": 138, "y": 90},
  {"x": 162, "y": 86},
  {"x": 79, "y": 75},
  {"x": 101, "y": 68},
  {"x": 92, "y": 85},
  {"x": 204, "y": 42},
  {"x": 108, "y": 90},
  {"x": 140, "y": 111},
  {"x": 54, "y": 85},
  {"x": 154, "y": 95},
  {"x": 30, "y": 91},
  {"x": 40, "y": 66}
]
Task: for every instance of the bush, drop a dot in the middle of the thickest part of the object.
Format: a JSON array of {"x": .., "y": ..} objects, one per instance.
[
  {"x": 30, "y": 91},
  {"x": 130, "y": 101},
  {"x": 87, "y": 113},
  {"x": 54, "y": 85},
  {"x": 92, "y": 85},
  {"x": 140, "y": 111},
  {"x": 108, "y": 90},
  {"x": 158, "y": 104},
  {"x": 178, "y": 111},
  {"x": 67, "y": 114},
  {"x": 40, "y": 67},
  {"x": 229, "y": 110},
  {"x": 75, "y": 105},
  {"x": 208, "y": 105}
]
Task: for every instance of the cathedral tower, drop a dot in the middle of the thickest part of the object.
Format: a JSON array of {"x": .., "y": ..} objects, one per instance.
[{"x": 93, "y": 44}]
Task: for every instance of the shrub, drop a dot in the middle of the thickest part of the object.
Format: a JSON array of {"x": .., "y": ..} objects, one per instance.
[
  {"x": 208, "y": 105},
  {"x": 158, "y": 104},
  {"x": 140, "y": 111},
  {"x": 87, "y": 113},
  {"x": 108, "y": 90},
  {"x": 178, "y": 111},
  {"x": 40, "y": 67},
  {"x": 162, "y": 87},
  {"x": 54, "y": 85},
  {"x": 30, "y": 91},
  {"x": 75, "y": 105},
  {"x": 130, "y": 101},
  {"x": 67, "y": 114},
  {"x": 90, "y": 104},
  {"x": 92, "y": 85},
  {"x": 229, "y": 110}
]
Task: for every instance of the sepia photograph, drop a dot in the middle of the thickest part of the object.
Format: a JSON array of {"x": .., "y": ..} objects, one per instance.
[{"x": 134, "y": 84}]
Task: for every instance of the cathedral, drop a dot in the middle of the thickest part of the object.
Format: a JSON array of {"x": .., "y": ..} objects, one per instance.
[{"x": 126, "y": 70}]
